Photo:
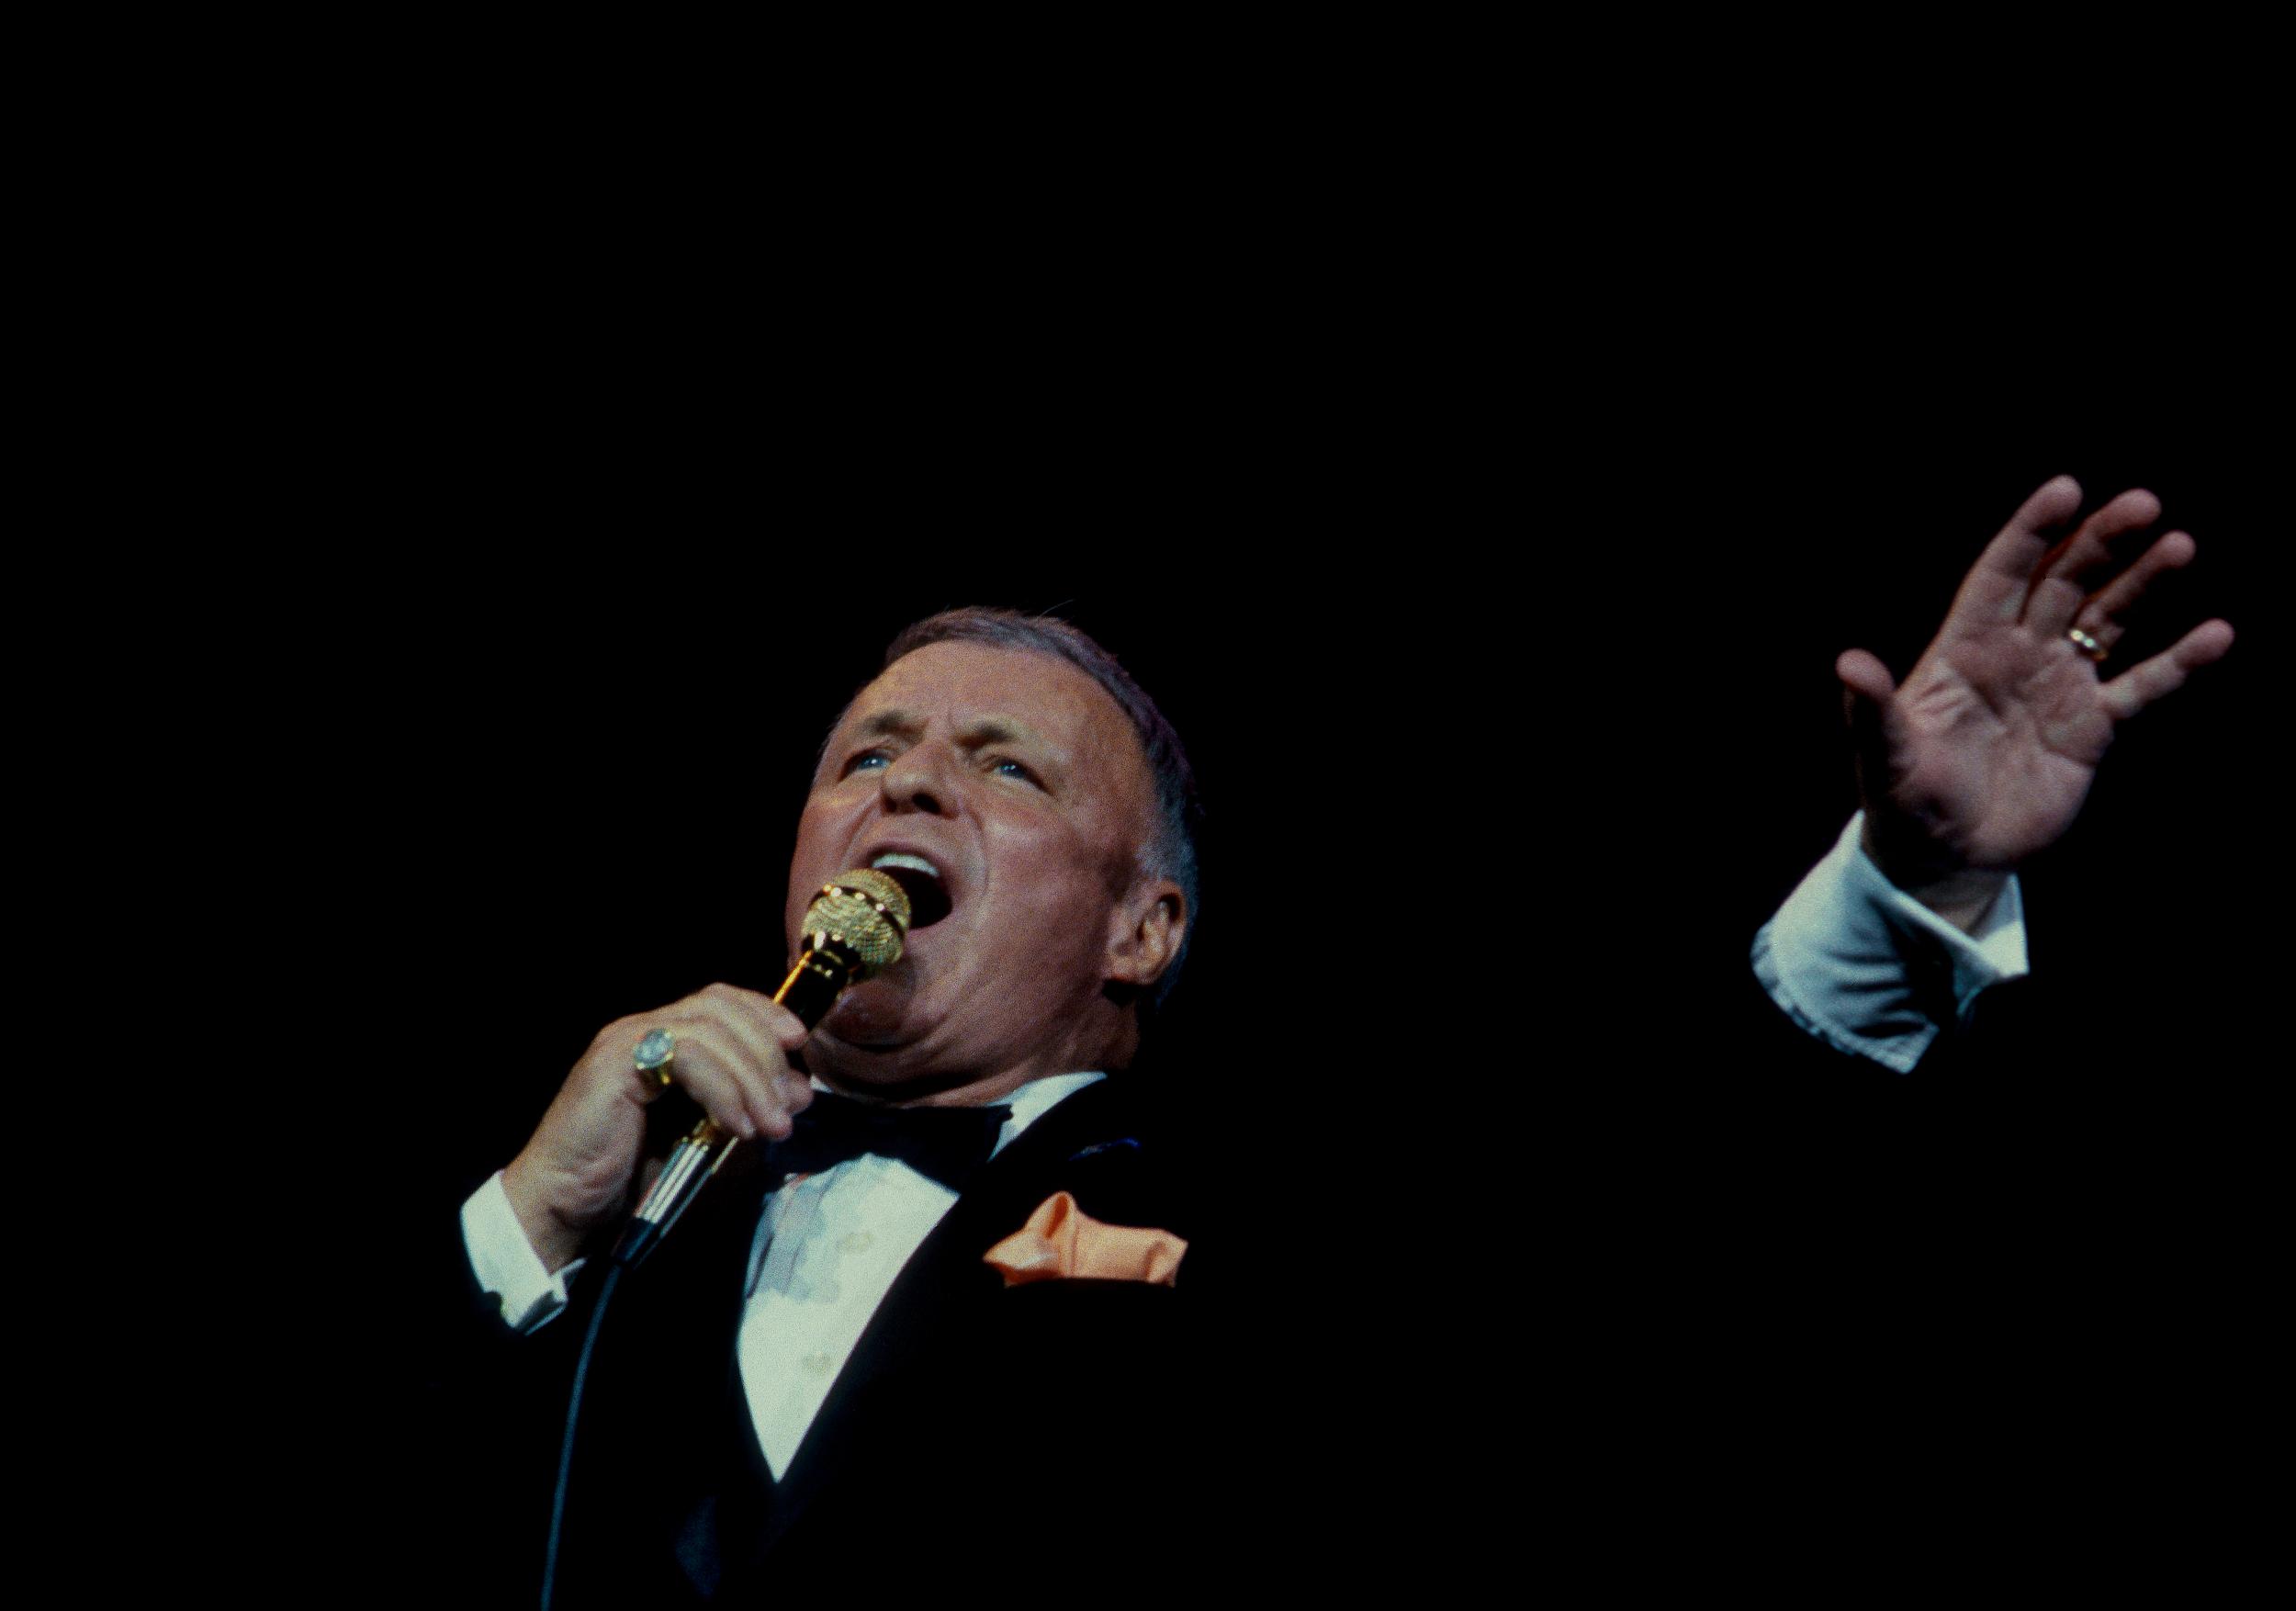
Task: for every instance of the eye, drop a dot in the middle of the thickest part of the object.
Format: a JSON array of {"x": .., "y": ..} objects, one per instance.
[
  {"x": 867, "y": 761},
  {"x": 1008, "y": 767}
]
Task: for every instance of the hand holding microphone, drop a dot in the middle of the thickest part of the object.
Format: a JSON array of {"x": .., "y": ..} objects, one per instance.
[{"x": 731, "y": 1055}]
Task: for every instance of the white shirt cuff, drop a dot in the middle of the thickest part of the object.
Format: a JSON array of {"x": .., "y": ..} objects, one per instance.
[
  {"x": 1848, "y": 953},
  {"x": 506, "y": 1263}
]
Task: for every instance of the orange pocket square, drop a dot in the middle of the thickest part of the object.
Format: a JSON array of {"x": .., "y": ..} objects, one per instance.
[{"x": 1062, "y": 1241}]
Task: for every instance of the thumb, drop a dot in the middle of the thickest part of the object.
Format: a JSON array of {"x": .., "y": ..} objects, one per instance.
[{"x": 1867, "y": 686}]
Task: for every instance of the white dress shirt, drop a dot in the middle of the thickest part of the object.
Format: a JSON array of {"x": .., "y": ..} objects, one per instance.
[
  {"x": 1838, "y": 955},
  {"x": 829, "y": 1247}
]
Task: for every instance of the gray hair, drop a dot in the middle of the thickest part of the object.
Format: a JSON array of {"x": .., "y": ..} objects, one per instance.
[{"x": 1170, "y": 853}]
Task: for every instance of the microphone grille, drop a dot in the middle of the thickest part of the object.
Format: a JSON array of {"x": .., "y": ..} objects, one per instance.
[{"x": 865, "y": 910}]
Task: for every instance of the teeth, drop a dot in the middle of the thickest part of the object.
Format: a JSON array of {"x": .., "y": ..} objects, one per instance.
[{"x": 902, "y": 859}]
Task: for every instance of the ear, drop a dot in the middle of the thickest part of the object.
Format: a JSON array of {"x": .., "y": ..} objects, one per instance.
[{"x": 1145, "y": 932}]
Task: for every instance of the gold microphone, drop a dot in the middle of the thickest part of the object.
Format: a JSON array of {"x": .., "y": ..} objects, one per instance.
[{"x": 853, "y": 931}]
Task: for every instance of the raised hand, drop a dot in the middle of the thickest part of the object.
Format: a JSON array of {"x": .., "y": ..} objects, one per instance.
[{"x": 1986, "y": 751}]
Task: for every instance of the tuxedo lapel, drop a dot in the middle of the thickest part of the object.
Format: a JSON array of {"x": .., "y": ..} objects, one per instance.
[{"x": 946, "y": 1286}]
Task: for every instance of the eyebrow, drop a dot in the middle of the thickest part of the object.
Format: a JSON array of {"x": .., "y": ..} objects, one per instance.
[
  {"x": 897, "y": 720},
  {"x": 890, "y": 719}
]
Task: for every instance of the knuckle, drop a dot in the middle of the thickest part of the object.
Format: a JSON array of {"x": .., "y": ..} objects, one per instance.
[{"x": 698, "y": 1059}]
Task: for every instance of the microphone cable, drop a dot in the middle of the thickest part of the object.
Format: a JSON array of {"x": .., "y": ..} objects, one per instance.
[{"x": 573, "y": 1418}]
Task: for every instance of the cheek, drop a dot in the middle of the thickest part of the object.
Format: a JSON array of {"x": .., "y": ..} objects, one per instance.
[
  {"x": 820, "y": 830},
  {"x": 1059, "y": 880},
  {"x": 793, "y": 914}
]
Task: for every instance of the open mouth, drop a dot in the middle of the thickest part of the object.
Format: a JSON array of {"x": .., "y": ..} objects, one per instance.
[{"x": 920, "y": 881}]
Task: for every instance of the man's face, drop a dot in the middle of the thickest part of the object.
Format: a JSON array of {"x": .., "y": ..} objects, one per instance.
[{"x": 1023, "y": 784}]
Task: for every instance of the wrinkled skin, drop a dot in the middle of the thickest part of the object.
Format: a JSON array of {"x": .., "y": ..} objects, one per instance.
[
  {"x": 1984, "y": 754},
  {"x": 1022, "y": 779}
]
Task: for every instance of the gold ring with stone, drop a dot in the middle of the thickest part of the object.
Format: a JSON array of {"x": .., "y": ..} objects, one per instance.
[{"x": 2085, "y": 644}]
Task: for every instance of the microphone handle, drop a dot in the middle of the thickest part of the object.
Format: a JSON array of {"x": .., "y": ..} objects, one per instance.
[{"x": 823, "y": 971}]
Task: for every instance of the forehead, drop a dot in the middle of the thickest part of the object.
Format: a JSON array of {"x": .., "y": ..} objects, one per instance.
[{"x": 969, "y": 683}]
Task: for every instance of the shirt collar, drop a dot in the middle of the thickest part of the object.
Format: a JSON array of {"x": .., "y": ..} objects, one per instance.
[
  {"x": 1030, "y": 1102},
  {"x": 1036, "y": 1099}
]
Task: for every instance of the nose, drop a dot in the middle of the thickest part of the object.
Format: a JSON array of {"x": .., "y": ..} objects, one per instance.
[{"x": 918, "y": 781}]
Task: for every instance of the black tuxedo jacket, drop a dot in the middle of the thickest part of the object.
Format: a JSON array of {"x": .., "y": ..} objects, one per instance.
[{"x": 977, "y": 1432}]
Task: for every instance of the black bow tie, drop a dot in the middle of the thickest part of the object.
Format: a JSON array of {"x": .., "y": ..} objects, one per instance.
[{"x": 947, "y": 1144}]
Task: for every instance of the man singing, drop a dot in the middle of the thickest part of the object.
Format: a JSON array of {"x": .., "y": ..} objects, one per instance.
[
  {"x": 921, "y": 1327},
  {"x": 928, "y": 1324}
]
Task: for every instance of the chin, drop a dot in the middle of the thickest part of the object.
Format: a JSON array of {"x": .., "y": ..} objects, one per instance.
[
  {"x": 882, "y": 1020},
  {"x": 866, "y": 1041}
]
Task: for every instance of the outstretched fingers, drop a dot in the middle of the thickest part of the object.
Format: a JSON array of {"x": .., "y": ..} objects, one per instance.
[
  {"x": 2166, "y": 672},
  {"x": 1994, "y": 590},
  {"x": 2061, "y": 583},
  {"x": 2104, "y": 617}
]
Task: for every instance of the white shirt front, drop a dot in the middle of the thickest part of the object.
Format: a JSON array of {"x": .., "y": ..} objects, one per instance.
[{"x": 829, "y": 1247}]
